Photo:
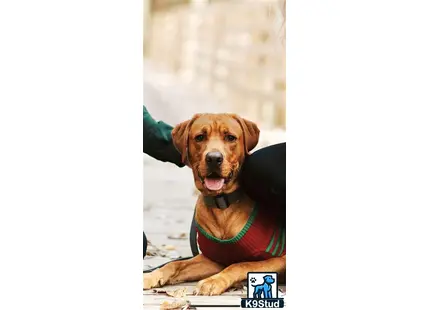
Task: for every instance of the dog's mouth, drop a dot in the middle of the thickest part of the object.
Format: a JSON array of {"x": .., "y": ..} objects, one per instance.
[{"x": 214, "y": 181}]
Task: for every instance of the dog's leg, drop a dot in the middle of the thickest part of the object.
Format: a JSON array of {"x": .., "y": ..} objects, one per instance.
[
  {"x": 269, "y": 292},
  {"x": 220, "y": 282},
  {"x": 196, "y": 268}
]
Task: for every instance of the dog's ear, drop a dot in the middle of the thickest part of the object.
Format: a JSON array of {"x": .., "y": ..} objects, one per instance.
[
  {"x": 180, "y": 137},
  {"x": 251, "y": 133}
]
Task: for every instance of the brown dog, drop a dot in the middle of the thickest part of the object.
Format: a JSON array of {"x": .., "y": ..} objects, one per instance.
[{"x": 235, "y": 237}]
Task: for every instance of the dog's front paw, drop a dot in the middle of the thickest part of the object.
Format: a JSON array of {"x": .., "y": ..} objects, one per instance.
[
  {"x": 214, "y": 285},
  {"x": 152, "y": 280}
]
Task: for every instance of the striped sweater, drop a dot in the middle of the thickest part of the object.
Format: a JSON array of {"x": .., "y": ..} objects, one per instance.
[{"x": 260, "y": 239}]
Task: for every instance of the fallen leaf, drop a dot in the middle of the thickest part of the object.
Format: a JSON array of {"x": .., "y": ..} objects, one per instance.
[
  {"x": 153, "y": 250},
  {"x": 181, "y": 236},
  {"x": 170, "y": 247},
  {"x": 176, "y": 304},
  {"x": 179, "y": 293}
]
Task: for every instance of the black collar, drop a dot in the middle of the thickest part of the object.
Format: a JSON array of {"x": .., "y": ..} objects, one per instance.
[{"x": 223, "y": 201}]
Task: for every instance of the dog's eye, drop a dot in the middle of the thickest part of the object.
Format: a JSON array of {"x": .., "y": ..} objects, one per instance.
[
  {"x": 199, "y": 138},
  {"x": 231, "y": 138}
]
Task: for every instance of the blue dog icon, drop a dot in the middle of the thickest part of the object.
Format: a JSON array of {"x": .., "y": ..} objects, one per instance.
[{"x": 265, "y": 287}]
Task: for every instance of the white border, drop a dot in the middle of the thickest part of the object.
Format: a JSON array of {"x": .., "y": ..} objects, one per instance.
[
  {"x": 71, "y": 158},
  {"x": 358, "y": 155}
]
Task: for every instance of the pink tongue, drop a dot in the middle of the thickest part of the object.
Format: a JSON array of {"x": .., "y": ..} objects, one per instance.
[{"x": 214, "y": 184}]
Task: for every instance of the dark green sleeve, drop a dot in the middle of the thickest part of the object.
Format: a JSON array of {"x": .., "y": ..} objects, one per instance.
[{"x": 157, "y": 140}]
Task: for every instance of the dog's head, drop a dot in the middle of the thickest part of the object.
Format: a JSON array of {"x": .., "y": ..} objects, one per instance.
[
  {"x": 269, "y": 279},
  {"x": 215, "y": 146}
]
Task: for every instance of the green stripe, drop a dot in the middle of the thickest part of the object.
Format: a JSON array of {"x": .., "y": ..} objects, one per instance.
[
  {"x": 277, "y": 243},
  {"x": 238, "y": 236},
  {"x": 283, "y": 243},
  {"x": 271, "y": 241}
]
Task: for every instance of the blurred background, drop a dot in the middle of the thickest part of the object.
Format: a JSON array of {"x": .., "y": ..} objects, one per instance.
[
  {"x": 230, "y": 50},
  {"x": 206, "y": 56}
]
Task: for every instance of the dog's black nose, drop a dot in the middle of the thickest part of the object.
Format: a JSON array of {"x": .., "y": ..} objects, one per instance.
[{"x": 214, "y": 159}]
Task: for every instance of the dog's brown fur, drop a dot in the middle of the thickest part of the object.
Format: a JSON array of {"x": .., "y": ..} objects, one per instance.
[{"x": 217, "y": 130}]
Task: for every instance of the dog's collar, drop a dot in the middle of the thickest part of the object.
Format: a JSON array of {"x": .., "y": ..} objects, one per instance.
[{"x": 223, "y": 201}]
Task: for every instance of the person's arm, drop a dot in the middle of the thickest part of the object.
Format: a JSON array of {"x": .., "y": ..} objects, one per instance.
[
  {"x": 263, "y": 177},
  {"x": 157, "y": 140}
]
